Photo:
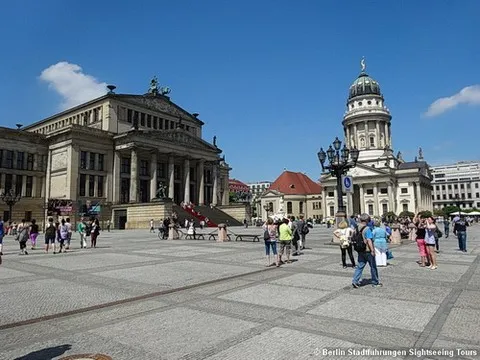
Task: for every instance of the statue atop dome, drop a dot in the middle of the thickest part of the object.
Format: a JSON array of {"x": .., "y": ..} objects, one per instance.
[{"x": 362, "y": 64}]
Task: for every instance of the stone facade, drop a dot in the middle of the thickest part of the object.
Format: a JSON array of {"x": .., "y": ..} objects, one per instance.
[
  {"x": 116, "y": 151},
  {"x": 383, "y": 182}
]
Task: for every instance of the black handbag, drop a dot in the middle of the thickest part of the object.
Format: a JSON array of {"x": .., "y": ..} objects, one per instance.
[{"x": 266, "y": 234}]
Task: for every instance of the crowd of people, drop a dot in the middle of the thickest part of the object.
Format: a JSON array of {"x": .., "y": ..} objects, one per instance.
[{"x": 58, "y": 234}]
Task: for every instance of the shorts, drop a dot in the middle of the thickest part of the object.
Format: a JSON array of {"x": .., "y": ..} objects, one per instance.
[
  {"x": 49, "y": 240},
  {"x": 429, "y": 244},
  {"x": 1, "y": 239},
  {"x": 422, "y": 249},
  {"x": 285, "y": 244}
]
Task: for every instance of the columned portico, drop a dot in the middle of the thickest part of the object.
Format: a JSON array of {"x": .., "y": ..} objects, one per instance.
[
  {"x": 171, "y": 177},
  {"x": 362, "y": 199},
  {"x": 153, "y": 175},
  {"x": 201, "y": 186},
  {"x": 186, "y": 164},
  {"x": 215, "y": 185}
]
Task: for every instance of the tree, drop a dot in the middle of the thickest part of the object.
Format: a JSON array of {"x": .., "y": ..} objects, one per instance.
[
  {"x": 438, "y": 212},
  {"x": 390, "y": 216},
  {"x": 425, "y": 214},
  {"x": 407, "y": 214},
  {"x": 450, "y": 209}
]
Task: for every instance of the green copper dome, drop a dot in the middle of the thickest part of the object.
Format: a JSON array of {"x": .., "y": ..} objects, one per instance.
[{"x": 364, "y": 85}]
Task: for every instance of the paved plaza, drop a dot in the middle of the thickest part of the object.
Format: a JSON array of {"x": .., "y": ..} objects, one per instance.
[{"x": 138, "y": 297}]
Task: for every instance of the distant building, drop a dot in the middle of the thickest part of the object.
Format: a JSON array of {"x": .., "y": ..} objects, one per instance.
[
  {"x": 258, "y": 188},
  {"x": 239, "y": 191},
  {"x": 292, "y": 193},
  {"x": 456, "y": 181}
]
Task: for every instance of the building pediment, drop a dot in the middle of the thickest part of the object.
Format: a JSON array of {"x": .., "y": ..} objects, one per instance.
[
  {"x": 271, "y": 193},
  {"x": 160, "y": 103},
  {"x": 360, "y": 171}
]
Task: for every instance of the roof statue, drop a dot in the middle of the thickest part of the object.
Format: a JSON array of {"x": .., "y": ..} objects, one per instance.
[
  {"x": 399, "y": 156},
  {"x": 362, "y": 64},
  {"x": 153, "y": 86},
  {"x": 420, "y": 153},
  {"x": 215, "y": 141}
]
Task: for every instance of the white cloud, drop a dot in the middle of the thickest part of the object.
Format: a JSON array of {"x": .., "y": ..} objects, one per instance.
[
  {"x": 468, "y": 95},
  {"x": 70, "y": 82}
]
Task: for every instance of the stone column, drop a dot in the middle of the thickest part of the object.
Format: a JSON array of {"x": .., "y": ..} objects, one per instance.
[
  {"x": 375, "y": 199},
  {"x": 377, "y": 135},
  {"x": 347, "y": 135},
  {"x": 362, "y": 199},
  {"x": 34, "y": 186},
  {"x": 116, "y": 177},
  {"x": 201, "y": 182},
  {"x": 387, "y": 140},
  {"x": 134, "y": 176},
  {"x": 349, "y": 204},
  {"x": 95, "y": 185},
  {"x": 24, "y": 185},
  {"x": 324, "y": 202},
  {"x": 171, "y": 177},
  {"x": 419, "y": 197},
  {"x": 215, "y": 185},
  {"x": 186, "y": 193},
  {"x": 153, "y": 176},
  {"x": 391, "y": 199},
  {"x": 355, "y": 139},
  {"x": 367, "y": 140}
]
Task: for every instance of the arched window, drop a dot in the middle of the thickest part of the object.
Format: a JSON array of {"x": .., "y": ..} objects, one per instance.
[
  {"x": 289, "y": 207},
  {"x": 270, "y": 206},
  {"x": 372, "y": 141}
]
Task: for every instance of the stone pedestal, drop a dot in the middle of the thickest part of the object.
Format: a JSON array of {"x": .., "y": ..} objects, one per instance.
[
  {"x": 222, "y": 233},
  {"x": 173, "y": 232},
  {"x": 395, "y": 238}
]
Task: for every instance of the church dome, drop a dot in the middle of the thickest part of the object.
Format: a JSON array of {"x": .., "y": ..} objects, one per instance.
[{"x": 364, "y": 85}]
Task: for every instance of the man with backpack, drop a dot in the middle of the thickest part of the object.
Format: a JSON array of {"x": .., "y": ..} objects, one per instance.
[
  {"x": 50, "y": 235},
  {"x": 363, "y": 244}
]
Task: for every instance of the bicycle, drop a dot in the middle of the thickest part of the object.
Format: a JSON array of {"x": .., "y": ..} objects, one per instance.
[{"x": 163, "y": 235}]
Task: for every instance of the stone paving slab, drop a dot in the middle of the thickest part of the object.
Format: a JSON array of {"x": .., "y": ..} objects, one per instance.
[
  {"x": 462, "y": 324},
  {"x": 386, "y": 312},
  {"x": 6, "y": 273},
  {"x": 312, "y": 281},
  {"x": 276, "y": 296}
]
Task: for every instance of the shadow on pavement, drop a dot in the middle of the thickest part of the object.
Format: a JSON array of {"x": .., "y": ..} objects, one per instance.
[{"x": 47, "y": 353}]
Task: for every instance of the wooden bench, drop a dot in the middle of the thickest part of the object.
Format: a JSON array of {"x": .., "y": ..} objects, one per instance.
[
  {"x": 214, "y": 237},
  {"x": 197, "y": 236},
  {"x": 253, "y": 237}
]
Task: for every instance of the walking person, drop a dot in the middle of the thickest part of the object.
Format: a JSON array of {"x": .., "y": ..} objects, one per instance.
[
  {"x": 420, "y": 225},
  {"x": 50, "y": 234},
  {"x": 270, "y": 238},
  {"x": 430, "y": 230},
  {"x": 81, "y": 229},
  {"x": 2, "y": 234},
  {"x": 460, "y": 230},
  {"x": 362, "y": 241},
  {"x": 108, "y": 225},
  {"x": 22, "y": 237},
  {"x": 344, "y": 235},
  {"x": 380, "y": 243},
  {"x": 152, "y": 226},
  {"x": 69, "y": 233},
  {"x": 33, "y": 233},
  {"x": 62, "y": 235},
  {"x": 302, "y": 230},
  {"x": 95, "y": 231},
  {"x": 285, "y": 241},
  {"x": 446, "y": 227}
]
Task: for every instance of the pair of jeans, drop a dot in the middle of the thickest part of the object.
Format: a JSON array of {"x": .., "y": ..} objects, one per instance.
[
  {"x": 363, "y": 259},
  {"x": 350, "y": 255},
  {"x": 462, "y": 240},
  {"x": 273, "y": 245}
]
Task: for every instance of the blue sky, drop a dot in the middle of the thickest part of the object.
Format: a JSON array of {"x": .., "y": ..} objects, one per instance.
[{"x": 269, "y": 78}]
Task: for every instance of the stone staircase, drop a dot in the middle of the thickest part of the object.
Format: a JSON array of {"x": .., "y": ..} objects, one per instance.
[{"x": 217, "y": 216}]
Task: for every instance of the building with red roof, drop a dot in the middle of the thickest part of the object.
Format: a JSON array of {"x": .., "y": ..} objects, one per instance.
[{"x": 292, "y": 193}]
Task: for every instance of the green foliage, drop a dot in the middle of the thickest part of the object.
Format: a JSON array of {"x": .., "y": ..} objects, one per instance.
[
  {"x": 390, "y": 216},
  {"x": 407, "y": 214},
  {"x": 439, "y": 212},
  {"x": 425, "y": 214},
  {"x": 450, "y": 209}
]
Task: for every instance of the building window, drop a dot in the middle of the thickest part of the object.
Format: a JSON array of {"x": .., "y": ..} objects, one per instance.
[
  {"x": 383, "y": 191},
  {"x": 83, "y": 180},
  {"x": 91, "y": 165},
  {"x": 28, "y": 216},
  {"x": 289, "y": 207},
  {"x": 1, "y": 158},
  {"x": 437, "y": 187},
  {"x": 172, "y": 125},
  {"x": 19, "y": 184},
  {"x": 449, "y": 187},
  {"x": 370, "y": 192},
  {"x": 469, "y": 195},
  {"x": 463, "y": 196},
  {"x": 450, "y": 196},
  {"x": 176, "y": 172},
  {"x": 455, "y": 186},
  {"x": 8, "y": 182},
  {"x": 384, "y": 208},
  {"x": 83, "y": 160},
  {"x": 143, "y": 190},
  {"x": 331, "y": 194},
  {"x": 9, "y": 159},
  {"x": 100, "y": 186},
  {"x": 30, "y": 162},
  {"x": 468, "y": 185},
  {"x": 444, "y": 197},
  {"x": 125, "y": 191},
  {"x": 372, "y": 141},
  {"x": 461, "y": 186},
  {"x": 370, "y": 209},
  {"x": 29, "y": 187},
  {"x": 438, "y": 196},
  {"x": 443, "y": 187},
  {"x": 300, "y": 205},
  {"x": 91, "y": 185},
  {"x": 161, "y": 170},
  {"x": 332, "y": 211},
  {"x": 405, "y": 207},
  {"x": 476, "y": 185},
  {"x": 20, "y": 160},
  {"x": 160, "y": 123},
  {"x": 142, "y": 119},
  {"x": 125, "y": 166},
  {"x": 130, "y": 116},
  {"x": 404, "y": 191},
  {"x": 143, "y": 168},
  {"x": 149, "y": 121},
  {"x": 101, "y": 162},
  {"x": 155, "y": 122}
]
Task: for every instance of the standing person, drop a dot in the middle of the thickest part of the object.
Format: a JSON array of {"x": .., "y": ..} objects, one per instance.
[
  {"x": 380, "y": 236},
  {"x": 62, "y": 235},
  {"x": 50, "y": 234},
  {"x": 152, "y": 226},
  {"x": 109, "y": 224},
  {"x": 302, "y": 230},
  {"x": 270, "y": 237},
  {"x": 2, "y": 234},
  {"x": 191, "y": 228},
  {"x": 245, "y": 223},
  {"x": 422, "y": 247},
  {"x": 33, "y": 233},
  {"x": 363, "y": 244},
  {"x": 446, "y": 227},
  {"x": 430, "y": 230},
  {"x": 344, "y": 235},
  {"x": 94, "y": 233},
  {"x": 285, "y": 240},
  {"x": 69, "y": 233},
  {"x": 292, "y": 224},
  {"x": 460, "y": 230},
  {"x": 22, "y": 237},
  {"x": 81, "y": 228}
]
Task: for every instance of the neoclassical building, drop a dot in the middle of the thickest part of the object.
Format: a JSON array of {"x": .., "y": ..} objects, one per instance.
[
  {"x": 382, "y": 181},
  {"x": 119, "y": 151}
]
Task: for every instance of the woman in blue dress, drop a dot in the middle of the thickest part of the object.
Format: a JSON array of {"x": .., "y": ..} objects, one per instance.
[{"x": 380, "y": 242}]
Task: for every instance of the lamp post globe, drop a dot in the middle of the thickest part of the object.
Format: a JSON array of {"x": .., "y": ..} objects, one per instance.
[{"x": 10, "y": 198}]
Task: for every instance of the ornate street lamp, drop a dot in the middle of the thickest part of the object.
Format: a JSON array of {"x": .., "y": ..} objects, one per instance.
[
  {"x": 267, "y": 208},
  {"x": 340, "y": 161},
  {"x": 10, "y": 198}
]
